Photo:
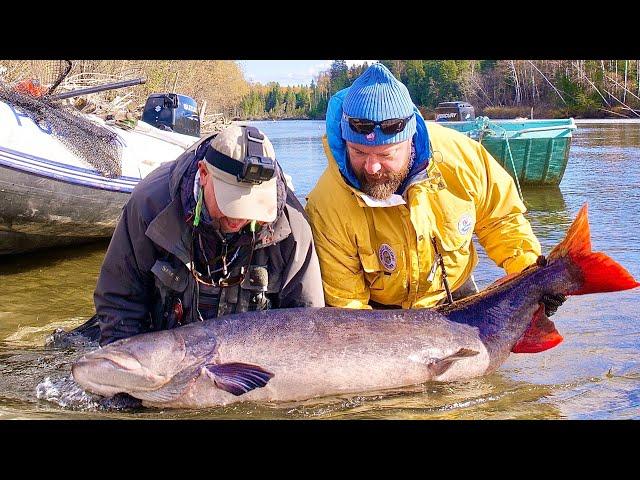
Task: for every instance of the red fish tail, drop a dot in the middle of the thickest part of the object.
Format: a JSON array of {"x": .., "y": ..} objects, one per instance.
[{"x": 599, "y": 272}]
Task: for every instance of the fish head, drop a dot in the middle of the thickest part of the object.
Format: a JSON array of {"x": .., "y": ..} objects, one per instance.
[{"x": 139, "y": 363}]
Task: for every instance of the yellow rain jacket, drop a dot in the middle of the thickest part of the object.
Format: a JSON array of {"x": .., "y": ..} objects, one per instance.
[{"x": 385, "y": 253}]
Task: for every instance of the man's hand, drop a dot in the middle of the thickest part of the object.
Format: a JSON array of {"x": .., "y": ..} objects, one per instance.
[{"x": 552, "y": 302}]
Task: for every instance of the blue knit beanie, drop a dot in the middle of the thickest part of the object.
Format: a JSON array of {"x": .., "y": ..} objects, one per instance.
[{"x": 377, "y": 95}]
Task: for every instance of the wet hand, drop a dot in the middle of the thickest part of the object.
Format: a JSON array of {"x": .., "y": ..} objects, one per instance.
[{"x": 552, "y": 302}]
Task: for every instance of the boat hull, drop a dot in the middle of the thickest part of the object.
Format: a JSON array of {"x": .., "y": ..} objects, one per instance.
[
  {"x": 50, "y": 196},
  {"x": 536, "y": 161},
  {"x": 535, "y": 152},
  {"x": 42, "y": 212}
]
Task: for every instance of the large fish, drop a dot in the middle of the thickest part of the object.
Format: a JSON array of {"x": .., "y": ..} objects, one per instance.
[{"x": 295, "y": 354}]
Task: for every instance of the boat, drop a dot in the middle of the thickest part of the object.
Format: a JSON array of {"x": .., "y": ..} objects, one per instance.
[
  {"x": 534, "y": 152},
  {"x": 51, "y": 196}
]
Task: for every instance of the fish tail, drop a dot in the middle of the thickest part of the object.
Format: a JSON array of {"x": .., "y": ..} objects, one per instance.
[{"x": 598, "y": 271}]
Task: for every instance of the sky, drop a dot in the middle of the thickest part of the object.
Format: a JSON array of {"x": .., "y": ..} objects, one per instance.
[{"x": 287, "y": 72}]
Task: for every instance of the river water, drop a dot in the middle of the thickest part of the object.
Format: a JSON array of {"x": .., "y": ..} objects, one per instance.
[{"x": 593, "y": 374}]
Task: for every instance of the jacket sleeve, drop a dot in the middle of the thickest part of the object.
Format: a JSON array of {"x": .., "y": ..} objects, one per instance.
[
  {"x": 122, "y": 295},
  {"x": 302, "y": 283},
  {"x": 342, "y": 274},
  {"x": 501, "y": 227}
]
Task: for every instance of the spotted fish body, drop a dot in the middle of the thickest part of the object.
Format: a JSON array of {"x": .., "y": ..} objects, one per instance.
[{"x": 302, "y": 353}]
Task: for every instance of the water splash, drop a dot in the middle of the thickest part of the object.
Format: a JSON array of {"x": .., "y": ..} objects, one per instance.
[{"x": 66, "y": 393}]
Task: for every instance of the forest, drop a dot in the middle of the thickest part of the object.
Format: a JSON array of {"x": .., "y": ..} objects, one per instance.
[{"x": 496, "y": 88}]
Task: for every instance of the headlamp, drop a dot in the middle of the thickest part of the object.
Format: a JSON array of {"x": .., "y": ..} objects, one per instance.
[{"x": 255, "y": 168}]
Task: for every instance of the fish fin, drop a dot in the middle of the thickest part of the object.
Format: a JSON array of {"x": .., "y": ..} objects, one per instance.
[
  {"x": 238, "y": 378},
  {"x": 599, "y": 272},
  {"x": 440, "y": 365},
  {"x": 540, "y": 336}
]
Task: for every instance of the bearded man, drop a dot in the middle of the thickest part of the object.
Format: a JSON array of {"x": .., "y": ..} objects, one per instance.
[{"x": 394, "y": 213}]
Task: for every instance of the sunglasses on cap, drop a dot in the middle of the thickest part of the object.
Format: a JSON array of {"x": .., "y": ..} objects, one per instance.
[{"x": 389, "y": 127}]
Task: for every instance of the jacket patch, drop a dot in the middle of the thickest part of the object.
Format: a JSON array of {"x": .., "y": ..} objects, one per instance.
[
  {"x": 387, "y": 257},
  {"x": 169, "y": 275},
  {"x": 465, "y": 224}
]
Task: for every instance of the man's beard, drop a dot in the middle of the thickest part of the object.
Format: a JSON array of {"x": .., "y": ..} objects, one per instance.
[{"x": 382, "y": 186}]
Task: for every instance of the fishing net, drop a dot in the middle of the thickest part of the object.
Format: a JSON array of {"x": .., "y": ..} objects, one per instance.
[
  {"x": 47, "y": 72},
  {"x": 94, "y": 144}
]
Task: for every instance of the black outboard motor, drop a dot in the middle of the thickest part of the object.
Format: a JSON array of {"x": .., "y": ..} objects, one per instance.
[
  {"x": 172, "y": 112},
  {"x": 455, "y": 112}
]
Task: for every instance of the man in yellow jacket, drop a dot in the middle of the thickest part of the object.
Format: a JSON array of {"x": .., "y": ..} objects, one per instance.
[{"x": 400, "y": 201}]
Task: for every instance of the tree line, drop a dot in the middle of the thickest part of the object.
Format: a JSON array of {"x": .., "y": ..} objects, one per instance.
[
  {"x": 219, "y": 83},
  {"x": 497, "y": 88},
  {"x": 302, "y": 101}
]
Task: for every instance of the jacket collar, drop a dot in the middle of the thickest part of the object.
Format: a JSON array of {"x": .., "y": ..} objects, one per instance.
[
  {"x": 170, "y": 230},
  {"x": 431, "y": 178}
]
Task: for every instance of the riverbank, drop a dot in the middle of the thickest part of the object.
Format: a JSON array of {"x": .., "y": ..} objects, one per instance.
[
  {"x": 494, "y": 113},
  {"x": 613, "y": 121}
]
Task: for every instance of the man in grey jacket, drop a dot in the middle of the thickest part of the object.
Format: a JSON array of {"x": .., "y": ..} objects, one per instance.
[{"x": 215, "y": 232}]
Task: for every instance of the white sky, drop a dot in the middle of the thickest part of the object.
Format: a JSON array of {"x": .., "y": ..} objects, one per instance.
[{"x": 287, "y": 72}]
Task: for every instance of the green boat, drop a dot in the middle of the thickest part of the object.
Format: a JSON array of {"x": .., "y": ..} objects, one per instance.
[{"x": 534, "y": 152}]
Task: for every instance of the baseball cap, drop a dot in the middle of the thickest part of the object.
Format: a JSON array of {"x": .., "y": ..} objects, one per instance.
[{"x": 237, "y": 198}]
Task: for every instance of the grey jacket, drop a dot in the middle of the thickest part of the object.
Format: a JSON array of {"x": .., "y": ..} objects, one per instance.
[{"x": 145, "y": 283}]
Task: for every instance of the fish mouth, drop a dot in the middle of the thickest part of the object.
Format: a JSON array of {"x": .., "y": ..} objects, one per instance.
[
  {"x": 116, "y": 358},
  {"x": 114, "y": 372}
]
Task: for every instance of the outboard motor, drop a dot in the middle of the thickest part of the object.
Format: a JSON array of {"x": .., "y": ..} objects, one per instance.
[
  {"x": 172, "y": 112},
  {"x": 454, "y": 112}
]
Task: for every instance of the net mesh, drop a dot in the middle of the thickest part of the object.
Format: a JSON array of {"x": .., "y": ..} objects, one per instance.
[{"x": 94, "y": 144}]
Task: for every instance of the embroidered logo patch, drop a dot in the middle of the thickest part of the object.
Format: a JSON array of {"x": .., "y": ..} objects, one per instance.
[
  {"x": 371, "y": 137},
  {"x": 465, "y": 224},
  {"x": 387, "y": 257}
]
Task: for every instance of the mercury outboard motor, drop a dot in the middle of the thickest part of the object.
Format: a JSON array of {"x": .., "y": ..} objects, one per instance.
[{"x": 455, "y": 112}]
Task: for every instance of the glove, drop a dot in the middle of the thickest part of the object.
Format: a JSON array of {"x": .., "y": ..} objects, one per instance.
[{"x": 552, "y": 302}]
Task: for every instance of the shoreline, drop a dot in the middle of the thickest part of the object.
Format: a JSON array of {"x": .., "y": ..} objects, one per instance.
[
  {"x": 606, "y": 120},
  {"x": 576, "y": 120}
]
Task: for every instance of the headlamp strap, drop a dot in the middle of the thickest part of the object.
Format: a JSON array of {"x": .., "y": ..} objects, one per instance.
[{"x": 254, "y": 142}]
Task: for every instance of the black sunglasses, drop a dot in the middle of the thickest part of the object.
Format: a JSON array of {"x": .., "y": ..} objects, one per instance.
[{"x": 389, "y": 127}]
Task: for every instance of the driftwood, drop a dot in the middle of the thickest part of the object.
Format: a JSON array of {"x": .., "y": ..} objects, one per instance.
[
  {"x": 212, "y": 123},
  {"x": 116, "y": 110},
  {"x": 124, "y": 109}
]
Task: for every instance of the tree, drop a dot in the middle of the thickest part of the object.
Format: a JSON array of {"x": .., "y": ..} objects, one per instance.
[
  {"x": 339, "y": 76},
  {"x": 273, "y": 101},
  {"x": 290, "y": 102}
]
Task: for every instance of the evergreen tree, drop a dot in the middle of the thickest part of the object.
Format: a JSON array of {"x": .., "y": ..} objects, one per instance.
[
  {"x": 274, "y": 99},
  {"x": 339, "y": 76},
  {"x": 290, "y": 102}
]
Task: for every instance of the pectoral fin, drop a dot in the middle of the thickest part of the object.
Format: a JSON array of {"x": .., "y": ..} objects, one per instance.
[
  {"x": 440, "y": 365},
  {"x": 238, "y": 378}
]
